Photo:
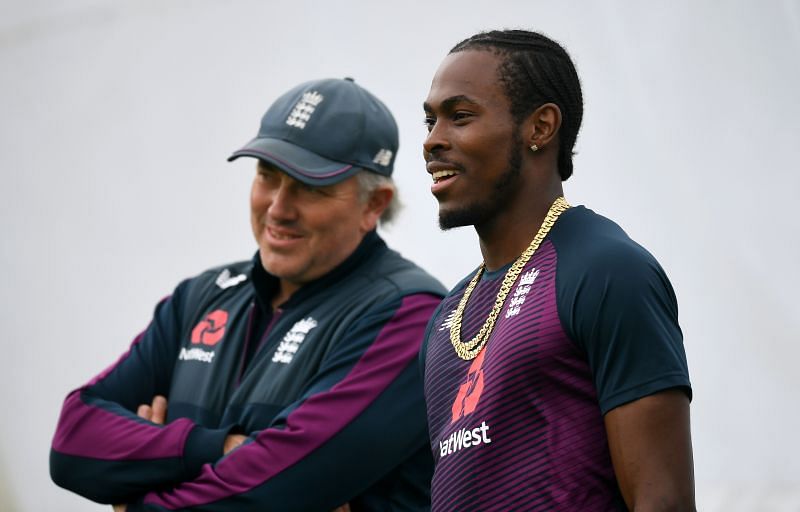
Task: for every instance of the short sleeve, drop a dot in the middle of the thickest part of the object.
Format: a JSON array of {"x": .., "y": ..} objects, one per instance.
[{"x": 617, "y": 304}]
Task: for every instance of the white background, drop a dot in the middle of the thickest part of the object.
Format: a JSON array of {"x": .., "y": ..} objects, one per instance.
[{"x": 116, "y": 119}]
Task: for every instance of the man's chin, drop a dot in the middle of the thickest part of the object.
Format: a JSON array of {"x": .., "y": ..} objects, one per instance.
[
  {"x": 279, "y": 267},
  {"x": 455, "y": 219}
]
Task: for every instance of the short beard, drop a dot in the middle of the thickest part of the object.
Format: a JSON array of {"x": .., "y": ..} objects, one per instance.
[{"x": 480, "y": 212}]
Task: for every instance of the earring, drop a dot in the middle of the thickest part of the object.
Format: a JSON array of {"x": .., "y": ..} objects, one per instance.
[{"x": 534, "y": 148}]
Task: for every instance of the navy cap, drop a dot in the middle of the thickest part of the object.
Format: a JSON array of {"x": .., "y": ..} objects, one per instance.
[{"x": 324, "y": 131}]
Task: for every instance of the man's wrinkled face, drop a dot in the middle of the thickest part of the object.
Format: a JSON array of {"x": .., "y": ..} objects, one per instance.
[{"x": 303, "y": 232}]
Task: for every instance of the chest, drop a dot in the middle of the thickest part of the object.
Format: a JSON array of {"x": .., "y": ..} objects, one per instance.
[
  {"x": 527, "y": 366},
  {"x": 213, "y": 384}
]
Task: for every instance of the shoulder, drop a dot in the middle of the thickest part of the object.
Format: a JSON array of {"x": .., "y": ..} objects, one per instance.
[
  {"x": 601, "y": 270},
  {"x": 617, "y": 304},
  {"x": 218, "y": 279},
  {"x": 592, "y": 247},
  {"x": 402, "y": 275},
  {"x": 225, "y": 275}
]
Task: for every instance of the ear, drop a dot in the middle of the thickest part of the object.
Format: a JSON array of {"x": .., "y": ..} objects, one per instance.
[
  {"x": 375, "y": 206},
  {"x": 542, "y": 126}
]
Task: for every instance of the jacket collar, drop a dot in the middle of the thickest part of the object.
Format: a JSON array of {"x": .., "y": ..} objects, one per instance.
[{"x": 266, "y": 284}]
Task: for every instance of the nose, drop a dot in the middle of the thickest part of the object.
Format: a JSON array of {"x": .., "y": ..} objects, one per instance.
[
  {"x": 436, "y": 141},
  {"x": 283, "y": 205}
]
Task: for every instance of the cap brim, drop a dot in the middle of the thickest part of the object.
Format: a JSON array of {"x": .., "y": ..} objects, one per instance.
[{"x": 299, "y": 163}]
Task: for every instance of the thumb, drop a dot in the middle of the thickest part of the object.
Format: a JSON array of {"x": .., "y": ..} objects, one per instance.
[{"x": 159, "y": 410}]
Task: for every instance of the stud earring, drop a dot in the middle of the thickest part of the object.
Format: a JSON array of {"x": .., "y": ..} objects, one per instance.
[{"x": 534, "y": 148}]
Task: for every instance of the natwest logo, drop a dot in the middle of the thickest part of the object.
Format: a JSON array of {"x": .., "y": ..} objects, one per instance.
[
  {"x": 467, "y": 398},
  {"x": 210, "y": 330},
  {"x": 469, "y": 393},
  {"x": 465, "y": 438}
]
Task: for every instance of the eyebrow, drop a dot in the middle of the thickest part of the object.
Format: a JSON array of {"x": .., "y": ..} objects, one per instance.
[{"x": 450, "y": 102}]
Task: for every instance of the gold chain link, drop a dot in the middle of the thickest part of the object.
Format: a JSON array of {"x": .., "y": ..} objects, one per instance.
[{"x": 469, "y": 349}]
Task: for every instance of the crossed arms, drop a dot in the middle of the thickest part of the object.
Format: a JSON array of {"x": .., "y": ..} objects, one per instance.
[{"x": 104, "y": 451}]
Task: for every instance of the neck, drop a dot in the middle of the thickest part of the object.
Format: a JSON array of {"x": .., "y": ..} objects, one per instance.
[
  {"x": 507, "y": 234},
  {"x": 285, "y": 290}
]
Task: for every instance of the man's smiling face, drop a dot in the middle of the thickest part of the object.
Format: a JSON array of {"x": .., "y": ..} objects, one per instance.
[
  {"x": 473, "y": 149},
  {"x": 304, "y": 232}
]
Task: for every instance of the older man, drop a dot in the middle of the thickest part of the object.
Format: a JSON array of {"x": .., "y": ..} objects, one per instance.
[
  {"x": 555, "y": 373},
  {"x": 290, "y": 378}
]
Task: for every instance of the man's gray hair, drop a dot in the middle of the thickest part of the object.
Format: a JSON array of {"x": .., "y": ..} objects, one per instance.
[{"x": 369, "y": 182}]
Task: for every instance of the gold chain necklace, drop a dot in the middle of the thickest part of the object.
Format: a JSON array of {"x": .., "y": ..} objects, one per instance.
[{"x": 469, "y": 349}]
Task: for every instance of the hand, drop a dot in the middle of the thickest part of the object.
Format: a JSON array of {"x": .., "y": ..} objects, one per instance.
[
  {"x": 156, "y": 412},
  {"x": 232, "y": 441},
  {"x": 343, "y": 508}
]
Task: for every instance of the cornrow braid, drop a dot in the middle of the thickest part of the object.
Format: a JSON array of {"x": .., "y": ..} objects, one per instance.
[{"x": 536, "y": 70}]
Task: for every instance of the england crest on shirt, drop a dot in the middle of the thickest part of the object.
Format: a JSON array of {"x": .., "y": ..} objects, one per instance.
[{"x": 292, "y": 340}]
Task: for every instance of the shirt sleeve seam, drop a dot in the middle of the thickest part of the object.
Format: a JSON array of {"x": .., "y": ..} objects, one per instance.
[{"x": 642, "y": 389}]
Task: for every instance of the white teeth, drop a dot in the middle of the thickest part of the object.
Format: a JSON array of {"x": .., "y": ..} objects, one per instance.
[
  {"x": 281, "y": 236},
  {"x": 438, "y": 175}
]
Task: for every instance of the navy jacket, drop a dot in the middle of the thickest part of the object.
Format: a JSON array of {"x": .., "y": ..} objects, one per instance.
[{"x": 329, "y": 395}]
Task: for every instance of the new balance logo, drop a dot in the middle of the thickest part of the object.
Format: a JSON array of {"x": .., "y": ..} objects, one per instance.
[
  {"x": 291, "y": 341},
  {"x": 448, "y": 322},
  {"x": 383, "y": 157},
  {"x": 301, "y": 113},
  {"x": 224, "y": 279}
]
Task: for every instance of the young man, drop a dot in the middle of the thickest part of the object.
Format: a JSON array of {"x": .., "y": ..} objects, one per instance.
[
  {"x": 289, "y": 381},
  {"x": 555, "y": 375}
]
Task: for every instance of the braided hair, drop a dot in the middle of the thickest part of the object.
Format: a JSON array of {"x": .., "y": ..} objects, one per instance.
[{"x": 536, "y": 70}]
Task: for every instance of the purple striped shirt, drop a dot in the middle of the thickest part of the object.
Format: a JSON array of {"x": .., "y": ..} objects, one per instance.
[{"x": 518, "y": 427}]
